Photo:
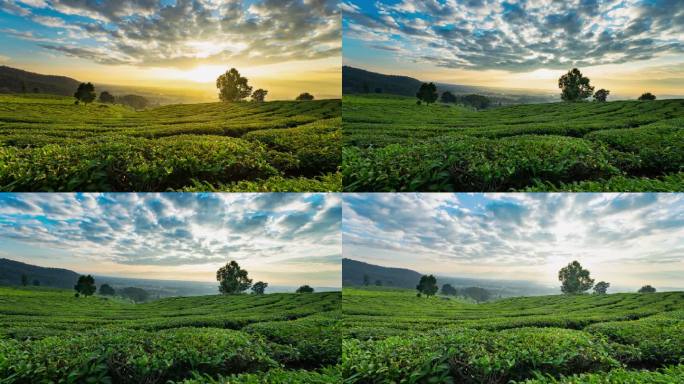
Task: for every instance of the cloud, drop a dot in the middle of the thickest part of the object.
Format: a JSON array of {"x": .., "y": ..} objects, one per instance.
[
  {"x": 186, "y": 33},
  {"x": 519, "y": 36},
  {"x": 173, "y": 228}
]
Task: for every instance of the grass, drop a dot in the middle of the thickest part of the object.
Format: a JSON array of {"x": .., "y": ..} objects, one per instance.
[
  {"x": 49, "y": 144},
  {"x": 48, "y": 335},
  {"x": 392, "y": 144},
  {"x": 394, "y": 336}
]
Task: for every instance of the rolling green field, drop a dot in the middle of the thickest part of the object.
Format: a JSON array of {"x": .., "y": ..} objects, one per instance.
[
  {"x": 49, "y": 144},
  {"x": 392, "y": 144},
  {"x": 49, "y": 336},
  {"x": 390, "y": 335}
]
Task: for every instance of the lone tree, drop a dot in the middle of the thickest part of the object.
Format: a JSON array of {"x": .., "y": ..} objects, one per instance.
[
  {"x": 601, "y": 95},
  {"x": 447, "y": 97},
  {"x": 647, "y": 289},
  {"x": 24, "y": 279},
  {"x": 574, "y": 279},
  {"x": 259, "y": 95},
  {"x": 427, "y": 93},
  {"x": 259, "y": 287},
  {"x": 85, "y": 93},
  {"x": 232, "y": 86},
  {"x": 366, "y": 280},
  {"x": 378, "y": 283},
  {"x": 448, "y": 290},
  {"x": 601, "y": 288},
  {"x": 427, "y": 285},
  {"x": 647, "y": 96},
  {"x": 304, "y": 289},
  {"x": 574, "y": 86},
  {"x": 106, "y": 97},
  {"x": 476, "y": 293},
  {"x": 85, "y": 285},
  {"x": 107, "y": 290},
  {"x": 232, "y": 279},
  {"x": 138, "y": 295},
  {"x": 306, "y": 96}
]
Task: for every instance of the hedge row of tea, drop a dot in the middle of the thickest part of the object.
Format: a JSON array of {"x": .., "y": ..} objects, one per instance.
[
  {"x": 49, "y": 144},
  {"x": 392, "y": 144},
  {"x": 394, "y": 336},
  {"x": 48, "y": 336}
]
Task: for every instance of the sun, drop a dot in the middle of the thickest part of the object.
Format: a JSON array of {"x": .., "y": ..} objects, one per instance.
[{"x": 202, "y": 73}]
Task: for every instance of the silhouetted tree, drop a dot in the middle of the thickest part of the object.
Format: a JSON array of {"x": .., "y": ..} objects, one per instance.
[
  {"x": 24, "y": 280},
  {"x": 476, "y": 293},
  {"x": 447, "y": 289},
  {"x": 366, "y": 88},
  {"x": 259, "y": 95},
  {"x": 306, "y": 96},
  {"x": 476, "y": 101},
  {"x": 647, "y": 96},
  {"x": 427, "y": 93},
  {"x": 138, "y": 295},
  {"x": 36, "y": 283},
  {"x": 232, "y": 86},
  {"x": 447, "y": 97},
  {"x": 36, "y": 90},
  {"x": 427, "y": 285},
  {"x": 601, "y": 288},
  {"x": 106, "y": 97},
  {"x": 378, "y": 90},
  {"x": 647, "y": 289},
  {"x": 601, "y": 95},
  {"x": 304, "y": 289},
  {"x": 259, "y": 288},
  {"x": 23, "y": 87},
  {"x": 133, "y": 101},
  {"x": 85, "y": 285},
  {"x": 85, "y": 93},
  {"x": 366, "y": 280},
  {"x": 378, "y": 283},
  {"x": 232, "y": 279},
  {"x": 574, "y": 86},
  {"x": 107, "y": 290},
  {"x": 574, "y": 279}
]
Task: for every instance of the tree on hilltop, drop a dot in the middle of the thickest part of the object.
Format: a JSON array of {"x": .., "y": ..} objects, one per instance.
[
  {"x": 232, "y": 86},
  {"x": 427, "y": 93},
  {"x": 427, "y": 285},
  {"x": 574, "y": 86},
  {"x": 574, "y": 279},
  {"x": 449, "y": 290},
  {"x": 447, "y": 97},
  {"x": 232, "y": 279},
  {"x": 476, "y": 293},
  {"x": 304, "y": 289},
  {"x": 601, "y": 95},
  {"x": 107, "y": 290},
  {"x": 647, "y": 96},
  {"x": 601, "y": 288},
  {"x": 85, "y": 285},
  {"x": 138, "y": 295},
  {"x": 647, "y": 289},
  {"x": 106, "y": 97},
  {"x": 259, "y": 287},
  {"x": 305, "y": 96},
  {"x": 85, "y": 93},
  {"x": 259, "y": 95}
]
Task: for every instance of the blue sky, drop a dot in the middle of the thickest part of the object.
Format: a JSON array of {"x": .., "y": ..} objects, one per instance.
[
  {"x": 626, "y": 239},
  {"x": 284, "y": 239},
  {"x": 521, "y": 44}
]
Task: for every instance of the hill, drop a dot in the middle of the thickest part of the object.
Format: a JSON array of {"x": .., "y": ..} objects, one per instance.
[
  {"x": 13, "y": 80},
  {"x": 48, "y": 335},
  {"x": 394, "y": 336},
  {"x": 11, "y": 272},
  {"x": 47, "y": 143}
]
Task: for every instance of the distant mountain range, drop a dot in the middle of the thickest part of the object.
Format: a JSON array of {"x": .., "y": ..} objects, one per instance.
[
  {"x": 353, "y": 272},
  {"x": 11, "y": 272},
  {"x": 360, "y": 81},
  {"x": 13, "y": 80}
]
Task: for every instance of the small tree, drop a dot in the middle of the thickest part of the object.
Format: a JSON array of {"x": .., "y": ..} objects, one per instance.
[
  {"x": 138, "y": 295},
  {"x": 36, "y": 283},
  {"x": 647, "y": 289},
  {"x": 378, "y": 283},
  {"x": 601, "y": 95},
  {"x": 601, "y": 288},
  {"x": 259, "y": 95},
  {"x": 107, "y": 290},
  {"x": 427, "y": 285},
  {"x": 647, "y": 96},
  {"x": 476, "y": 293},
  {"x": 574, "y": 279},
  {"x": 447, "y": 97},
  {"x": 232, "y": 279},
  {"x": 306, "y": 96},
  {"x": 259, "y": 288},
  {"x": 304, "y": 289},
  {"x": 574, "y": 86},
  {"x": 85, "y": 93},
  {"x": 106, "y": 97},
  {"x": 448, "y": 290},
  {"x": 366, "y": 280},
  {"x": 85, "y": 285},
  {"x": 24, "y": 279},
  {"x": 232, "y": 86},
  {"x": 427, "y": 93}
]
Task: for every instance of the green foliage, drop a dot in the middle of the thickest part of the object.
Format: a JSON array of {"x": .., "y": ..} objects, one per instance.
[
  {"x": 305, "y": 289},
  {"x": 427, "y": 93},
  {"x": 259, "y": 95},
  {"x": 447, "y": 97},
  {"x": 574, "y": 279},
  {"x": 447, "y": 289},
  {"x": 305, "y": 96},
  {"x": 476, "y": 293},
  {"x": 669, "y": 375},
  {"x": 85, "y": 93},
  {"x": 647, "y": 289},
  {"x": 24, "y": 279},
  {"x": 427, "y": 285},
  {"x": 85, "y": 285},
  {"x": 601, "y": 95},
  {"x": 232, "y": 279},
  {"x": 106, "y": 290},
  {"x": 273, "y": 376},
  {"x": 106, "y": 97},
  {"x": 137, "y": 295},
  {"x": 647, "y": 96},
  {"x": 259, "y": 287},
  {"x": 574, "y": 86},
  {"x": 601, "y": 288},
  {"x": 233, "y": 87}
]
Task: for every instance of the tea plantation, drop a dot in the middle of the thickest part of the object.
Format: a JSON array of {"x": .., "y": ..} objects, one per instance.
[
  {"x": 50, "y": 336},
  {"x": 392, "y": 336},
  {"x": 392, "y": 144},
  {"x": 49, "y": 144}
]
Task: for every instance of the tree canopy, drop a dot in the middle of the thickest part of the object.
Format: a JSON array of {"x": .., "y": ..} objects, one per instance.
[
  {"x": 449, "y": 290},
  {"x": 447, "y": 97},
  {"x": 85, "y": 285},
  {"x": 106, "y": 97},
  {"x": 427, "y": 285},
  {"x": 259, "y": 95},
  {"x": 427, "y": 93},
  {"x": 574, "y": 279},
  {"x": 647, "y": 289},
  {"x": 259, "y": 288},
  {"x": 476, "y": 293},
  {"x": 601, "y": 288},
  {"x": 304, "y": 289},
  {"x": 107, "y": 290},
  {"x": 232, "y": 86},
  {"x": 306, "y": 96},
  {"x": 232, "y": 279},
  {"x": 136, "y": 294},
  {"x": 601, "y": 95},
  {"x": 85, "y": 93},
  {"x": 574, "y": 86},
  {"x": 647, "y": 96}
]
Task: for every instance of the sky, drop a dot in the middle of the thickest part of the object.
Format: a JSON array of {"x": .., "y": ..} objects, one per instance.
[
  {"x": 281, "y": 238},
  {"x": 628, "y": 240},
  {"x": 626, "y": 46},
  {"x": 285, "y": 46}
]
